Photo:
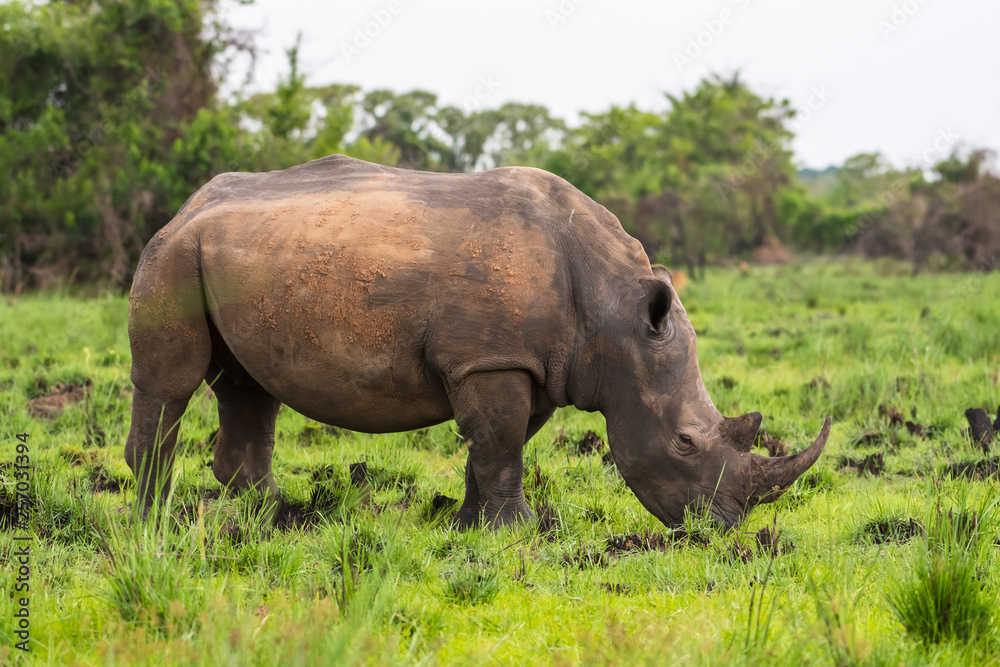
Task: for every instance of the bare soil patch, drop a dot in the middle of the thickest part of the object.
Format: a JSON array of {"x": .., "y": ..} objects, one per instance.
[
  {"x": 61, "y": 395},
  {"x": 618, "y": 545},
  {"x": 103, "y": 480},
  {"x": 294, "y": 516},
  {"x": 585, "y": 558},
  {"x": 617, "y": 589}
]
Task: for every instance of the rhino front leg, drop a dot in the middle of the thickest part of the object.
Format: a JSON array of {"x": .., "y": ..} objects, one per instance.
[
  {"x": 493, "y": 411},
  {"x": 473, "y": 515}
]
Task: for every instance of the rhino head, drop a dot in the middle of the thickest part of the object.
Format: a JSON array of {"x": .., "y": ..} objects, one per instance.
[{"x": 670, "y": 443}]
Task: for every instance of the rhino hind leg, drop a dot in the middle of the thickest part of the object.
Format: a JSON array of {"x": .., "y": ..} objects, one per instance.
[
  {"x": 493, "y": 411},
  {"x": 245, "y": 443},
  {"x": 149, "y": 447},
  {"x": 171, "y": 350}
]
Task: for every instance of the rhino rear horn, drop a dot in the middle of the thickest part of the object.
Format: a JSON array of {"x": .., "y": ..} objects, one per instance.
[
  {"x": 770, "y": 477},
  {"x": 741, "y": 432}
]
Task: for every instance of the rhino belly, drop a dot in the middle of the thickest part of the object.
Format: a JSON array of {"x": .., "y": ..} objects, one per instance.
[
  {"x": 316, "y": 369},
  {"x": 317, "y": 343}
]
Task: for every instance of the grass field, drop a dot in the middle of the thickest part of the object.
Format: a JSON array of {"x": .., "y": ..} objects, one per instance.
[{"x": 898, "y": 563}]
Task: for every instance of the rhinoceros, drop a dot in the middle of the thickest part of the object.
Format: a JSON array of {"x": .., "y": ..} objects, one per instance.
[{"x": 383, "y": 300}]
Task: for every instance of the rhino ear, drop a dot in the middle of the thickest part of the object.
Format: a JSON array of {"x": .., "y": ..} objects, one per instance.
[
  {"x": 663, "y": 273},
  {"x": 655, "y": 303}
]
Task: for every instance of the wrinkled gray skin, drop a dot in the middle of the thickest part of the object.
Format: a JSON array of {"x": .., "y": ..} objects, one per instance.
[{"x": 384, "y": 300}]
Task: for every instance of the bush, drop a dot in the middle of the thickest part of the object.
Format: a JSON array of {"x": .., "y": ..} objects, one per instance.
[{"x": 944, "y": 600}]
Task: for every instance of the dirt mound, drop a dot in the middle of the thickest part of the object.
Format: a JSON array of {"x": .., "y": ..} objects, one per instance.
[
  {"x": 976, "y": 471},
  {"x": 442, "y": 502},
  {"x": 438, "y": 505},
  {"x": 771, "y": 251},
  {"x": 61, "y": 395},
  {"x": 359, "y": 474},
  {"x": 617, "y": 589},
  {"x": 773, "y": 445},
  {"x": 294, "y": 516},
  {"x": 770, "y": 543},
  {"x": 547, "y": 521},
  {"x": 8, "y": 509},
  {"x": 623, "y": 544},
  {"x": 590, "y": 443},
  {"x": 892, "y": 529},
  {"x": 104, "y": 481},
  {"x": 737, "y": 553},
  {"x": 897, "y": 418},
  {"x": 585, "y": 558},
  {"x": 873, "y": 463},
  {"x": 981, "y": 429}
]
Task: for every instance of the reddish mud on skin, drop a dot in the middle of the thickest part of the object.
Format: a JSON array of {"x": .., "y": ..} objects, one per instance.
[{"x": 382, "y": 300}]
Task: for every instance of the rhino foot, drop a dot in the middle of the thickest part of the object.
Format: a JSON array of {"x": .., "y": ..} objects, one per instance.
[{"x": 476, "y": 516}]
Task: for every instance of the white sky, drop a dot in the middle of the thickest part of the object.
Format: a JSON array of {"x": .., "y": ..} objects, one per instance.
[{"x": 894, "y": 92}]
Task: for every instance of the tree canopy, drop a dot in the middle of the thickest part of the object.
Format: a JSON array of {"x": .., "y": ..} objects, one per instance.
[{"x": 110, "y": 117}]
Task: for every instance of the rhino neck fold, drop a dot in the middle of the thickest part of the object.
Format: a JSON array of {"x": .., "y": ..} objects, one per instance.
[{"x": 630, "y": 430}]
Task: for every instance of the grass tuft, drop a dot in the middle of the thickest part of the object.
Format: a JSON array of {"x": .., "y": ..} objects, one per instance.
[{"x": 472, "y": 585}]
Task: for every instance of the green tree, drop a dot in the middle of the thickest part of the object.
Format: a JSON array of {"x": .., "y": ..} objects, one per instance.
[
  {"x": 289, "y": 110},
  {"x": 94, "y": 96},
  {"x": 704, "y": 178},
  {"x": 864, "y": 178},
  {"x": 298, "y": 122},
  {"x": 730, "y": 158},
  {"x": 406, "y": 122}
]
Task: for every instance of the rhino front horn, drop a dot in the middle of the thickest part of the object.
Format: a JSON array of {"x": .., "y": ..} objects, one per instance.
[{"x": 770, "y": 477}]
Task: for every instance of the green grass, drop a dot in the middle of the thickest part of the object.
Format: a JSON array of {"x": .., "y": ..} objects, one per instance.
[{"x": 897, "y": 568}]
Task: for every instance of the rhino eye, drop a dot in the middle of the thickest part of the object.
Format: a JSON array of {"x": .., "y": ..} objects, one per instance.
[{"x": 686, "y": 441}]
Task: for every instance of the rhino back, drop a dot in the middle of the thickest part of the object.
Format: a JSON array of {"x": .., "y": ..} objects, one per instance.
[{"x": 347, "y": 288}]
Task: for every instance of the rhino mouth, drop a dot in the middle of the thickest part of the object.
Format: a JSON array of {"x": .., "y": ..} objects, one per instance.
[{"x": 727, "y": 512}]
